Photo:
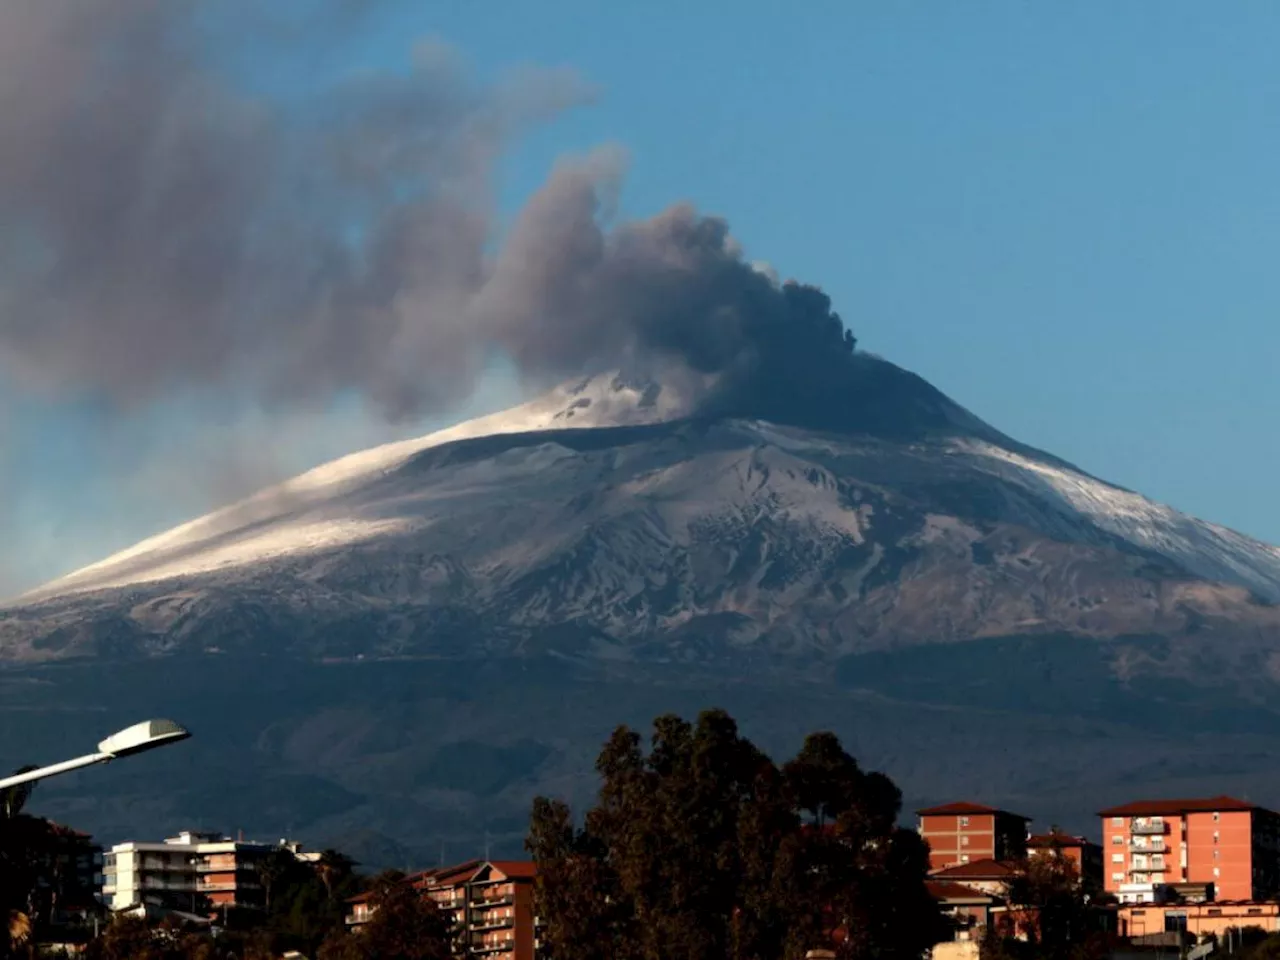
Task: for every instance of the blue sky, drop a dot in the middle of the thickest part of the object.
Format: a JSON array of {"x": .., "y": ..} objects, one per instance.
[{"x": 1063, "y": 215}]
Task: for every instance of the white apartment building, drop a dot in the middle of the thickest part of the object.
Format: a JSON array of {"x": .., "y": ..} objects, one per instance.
[{"x": 187, "y": 872}]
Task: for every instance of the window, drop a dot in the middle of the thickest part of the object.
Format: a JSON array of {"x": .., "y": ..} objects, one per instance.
[
  {"x": 1216, "y": 818},
  {"x": 1215, "y": 854},
  {"x": 1117, "y": 858},
  {"x": 964, "y": 821},
  {"x": 1117, "y": 876},
  {"x": 964, "y": 841},
  {"x": 1117, "y": 821},
  {"x": 1255, "y": 911},
  {"x": 1217, "y": 872},
  {"x": 1117, "y": 840},
  {"x": 1215, "y": 836},
  {"x": 964, "y": 858},
  {"x": 1215, "y": 912},
  {"x": 1139, "y": 913}
]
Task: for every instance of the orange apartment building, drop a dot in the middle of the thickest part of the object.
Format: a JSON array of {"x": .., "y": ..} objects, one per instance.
[
  {"x": 491, "y": 903},
  {"x": 1085, "y": 854},
  {"x": 959, "y": 833},
  {"x": 1152, "y": 844}
]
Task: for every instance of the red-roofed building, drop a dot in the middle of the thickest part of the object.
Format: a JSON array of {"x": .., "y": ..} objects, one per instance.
[
  {"x": 490, "y": 901},
  {"x": 1151, "y": 844},
  {"x": 959, "y": 833},
  {"x": 986, "y": 875},
  {"x": 1084, "y": 853},
  {"x": 968, "y": 908}
]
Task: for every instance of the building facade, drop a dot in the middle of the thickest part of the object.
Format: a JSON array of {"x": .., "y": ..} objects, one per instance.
[
  {"x": 1084, "y": 853},
  {"x": 489, "y": 901},
  {"x": 192, "y": 872},
  {"x": 960, "y": 833},
  {"x": 1231, "y": 844},
  {"x": 1143, "y": 920}
]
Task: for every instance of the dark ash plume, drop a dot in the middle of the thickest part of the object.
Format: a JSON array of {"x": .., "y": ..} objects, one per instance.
[{"x": 161, "y": 229}]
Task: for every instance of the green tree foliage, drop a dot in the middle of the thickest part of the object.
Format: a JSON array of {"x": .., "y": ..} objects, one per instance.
[{"x": 702, "y": 848}]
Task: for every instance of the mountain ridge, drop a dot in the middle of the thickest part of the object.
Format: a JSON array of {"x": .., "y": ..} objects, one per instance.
[{"x": 649, "y": 522}]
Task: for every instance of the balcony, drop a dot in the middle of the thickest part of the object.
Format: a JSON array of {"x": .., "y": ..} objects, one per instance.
[
  {"x": 499, "y": 900},
  {"x": 482, "y": 922},
  {"x": 1148, "y": 828},
  {"x": 1155, "y": 844},
  {"x": 494, "y": 946}
]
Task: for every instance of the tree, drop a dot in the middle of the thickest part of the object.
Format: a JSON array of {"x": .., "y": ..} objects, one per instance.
[
  {"x": 702, "y": 848},
  {"x": 126, "y": 938},
  {"x": 1047, "y": 908},
  {"x": 405, "y": 926},
  {"x": 333, "y": 868},
  {"x": 274, "y": 868}
]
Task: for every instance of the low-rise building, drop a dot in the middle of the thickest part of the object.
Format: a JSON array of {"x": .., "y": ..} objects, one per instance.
[
  {"x": 968, "y": 908},
  {"x": 1143, "y": 920},
  {"x": 964, "y": 832},
  {"x": 989, "y": 877}
]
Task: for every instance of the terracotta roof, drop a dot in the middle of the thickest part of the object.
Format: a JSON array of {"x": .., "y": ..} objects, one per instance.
[
  {"x": 1061, "y": 839},
  {"x": 964, "y": 807},
  {"x": 978, "y": 870},
  {"x": 1157, "y": 808},
  {"x": 515, "y": 869},
  {"x": 451, "y": 876},
  {"x": 946, "y": 890}
]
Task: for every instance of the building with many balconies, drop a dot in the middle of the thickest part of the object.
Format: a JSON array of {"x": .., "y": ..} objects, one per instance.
[
  {"x": 191, "y": 872},
  {"x": 1228, "y": 844},
  {"x": 489, "y": 901}
]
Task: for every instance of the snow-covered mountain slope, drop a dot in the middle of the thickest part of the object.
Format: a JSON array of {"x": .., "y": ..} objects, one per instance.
[
  {"x": 613, "y": 512},
  {"x": 286, "y": 518}
]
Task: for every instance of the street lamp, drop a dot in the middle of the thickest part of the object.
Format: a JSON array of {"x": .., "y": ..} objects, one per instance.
[{"x": 135, "y": 739}]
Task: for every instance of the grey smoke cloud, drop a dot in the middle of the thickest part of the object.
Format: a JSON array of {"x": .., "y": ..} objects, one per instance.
[{"x": 162, "y": 229}]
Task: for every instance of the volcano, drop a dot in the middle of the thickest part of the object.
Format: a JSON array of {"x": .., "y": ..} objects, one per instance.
[{"x": 416, "y": 637}]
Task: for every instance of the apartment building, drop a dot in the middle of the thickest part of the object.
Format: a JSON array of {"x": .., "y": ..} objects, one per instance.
[
  {"x": 190, "y": 872},
  {"x": 959, "y": 833},
  {"x": 490, "y": 902},
  {"x": 1152, "y": 845},
  {"x": 1084, "y": 853}
]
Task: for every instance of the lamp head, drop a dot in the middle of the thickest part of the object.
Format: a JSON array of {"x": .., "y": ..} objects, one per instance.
[{"x": 142, "y": 736}]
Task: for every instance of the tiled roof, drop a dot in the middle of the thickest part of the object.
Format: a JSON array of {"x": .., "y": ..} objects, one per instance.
[
  {"x": 515, "y": 869},
  {"x": 1172, "y": 808},
  {"x": 947, "y": 890},
  {"x": 964, "y": 807},
  {"x": 978, "y": 870}
]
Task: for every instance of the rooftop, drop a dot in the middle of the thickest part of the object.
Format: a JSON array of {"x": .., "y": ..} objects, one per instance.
[
  {"x": 963, "y": 807},
  {"x": 1173, "y": 808},
  {"x": 978, "y": 870},
  {"x": 947, "y": 890}
]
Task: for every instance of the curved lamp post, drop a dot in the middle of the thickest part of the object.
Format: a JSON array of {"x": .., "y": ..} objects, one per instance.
[{"x": 135, "y": 739}]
